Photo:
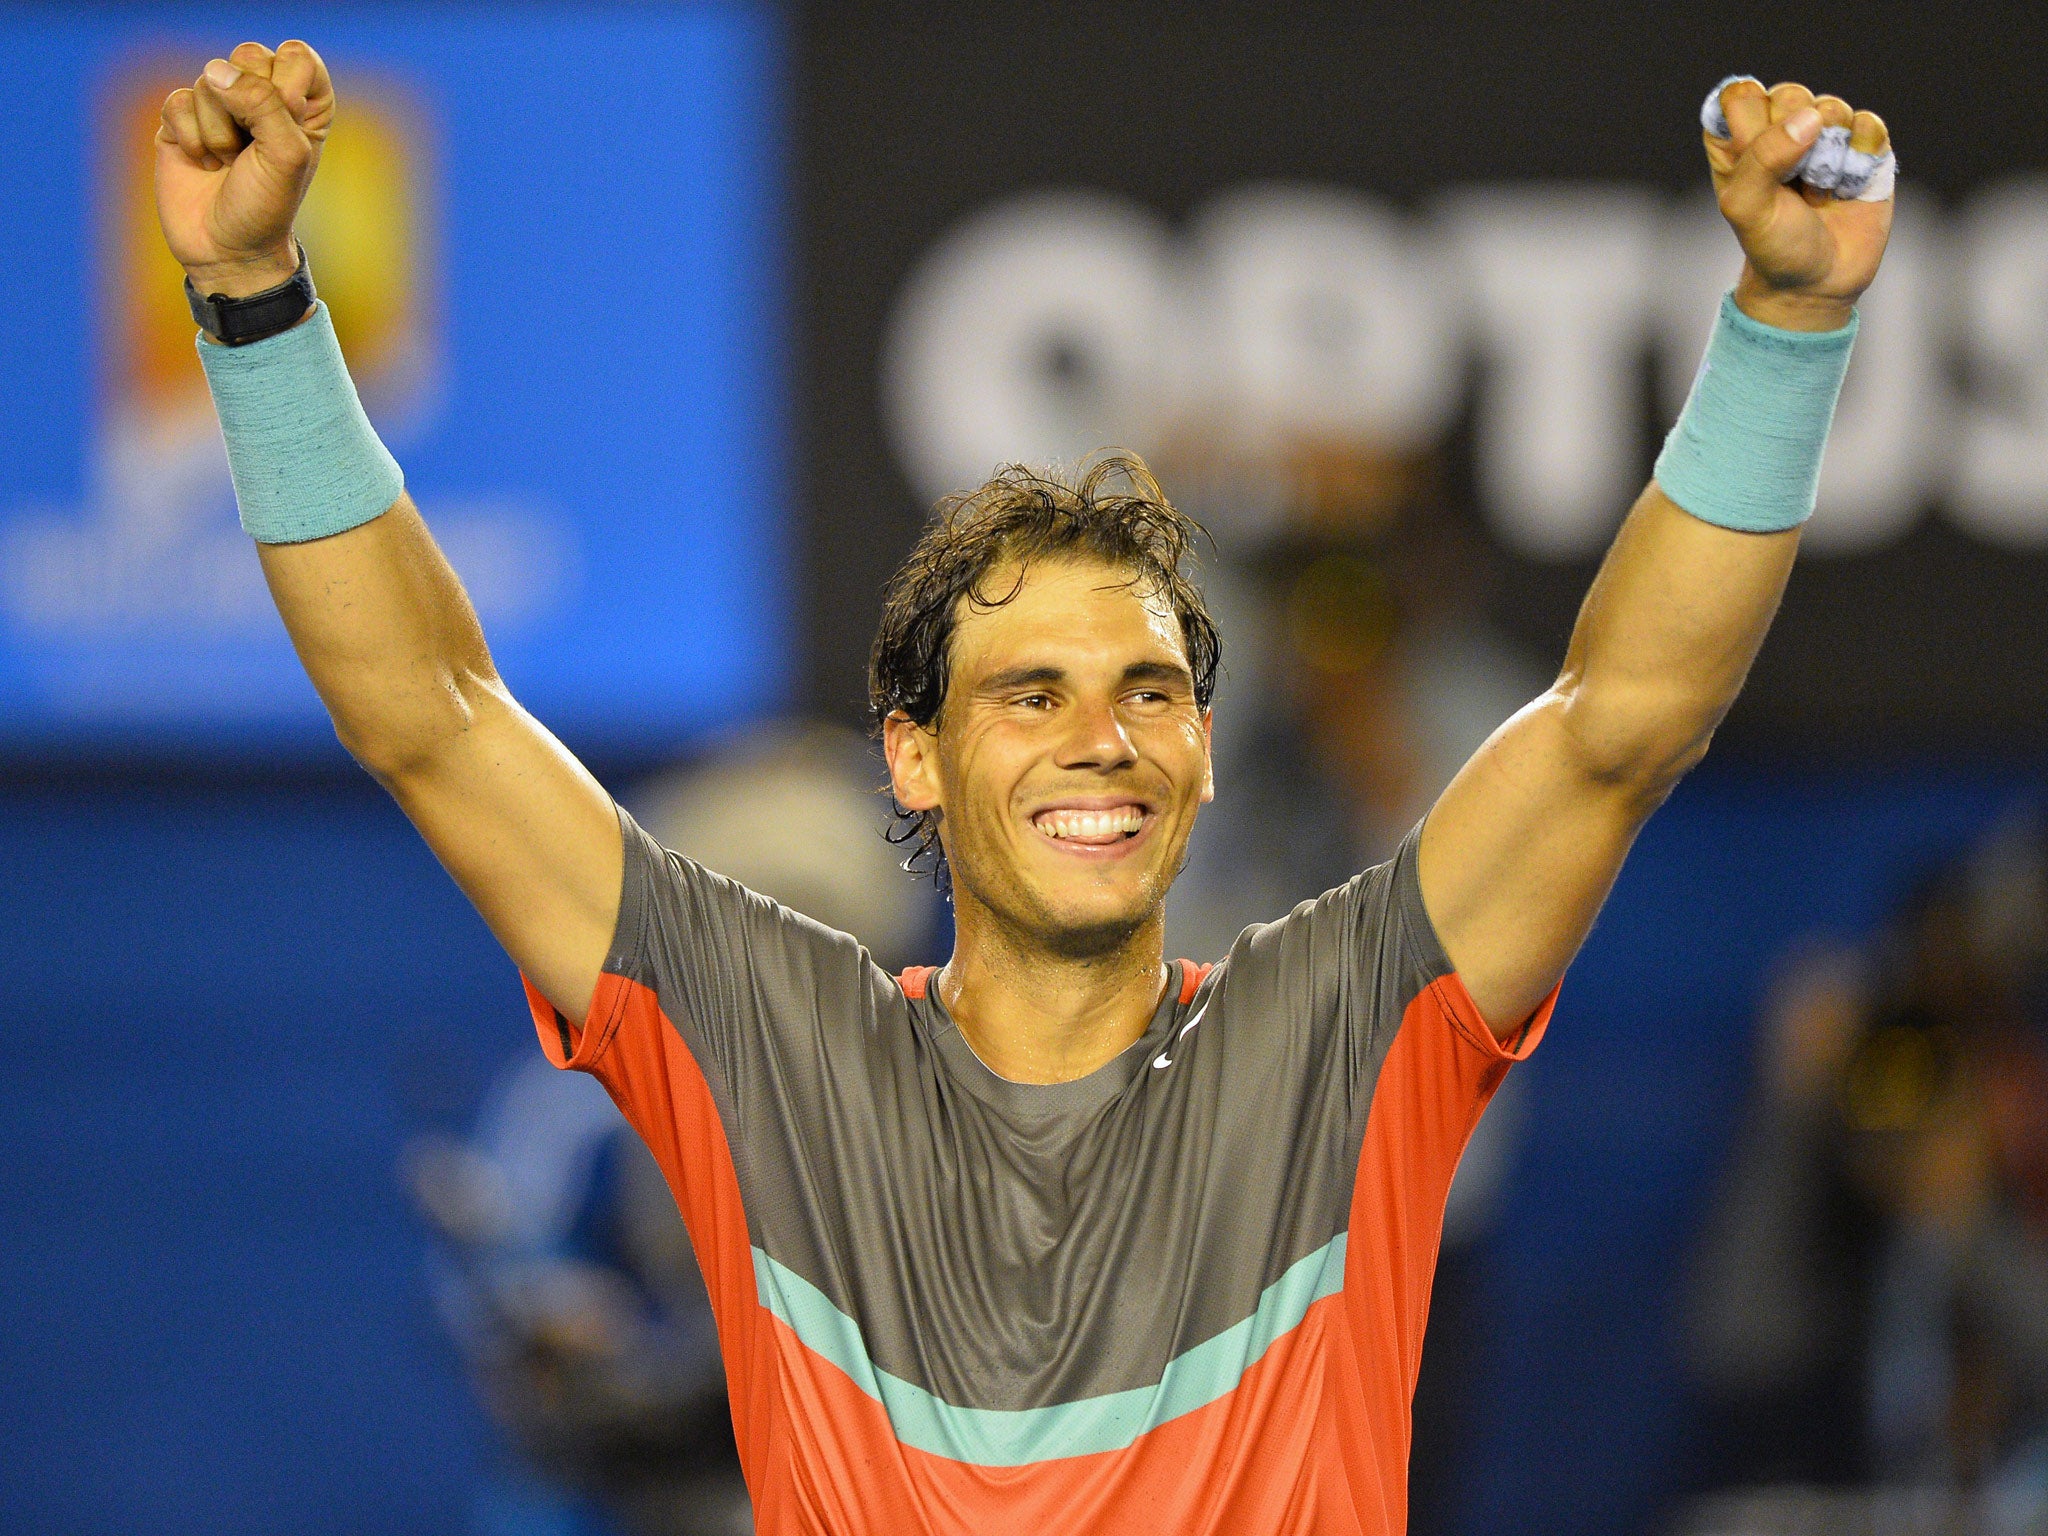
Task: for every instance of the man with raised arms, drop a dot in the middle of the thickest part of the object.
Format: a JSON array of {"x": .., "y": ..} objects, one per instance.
[{"x": 1060, "y": 1236}]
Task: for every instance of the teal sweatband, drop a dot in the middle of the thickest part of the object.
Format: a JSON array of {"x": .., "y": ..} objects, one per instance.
[
  {"x": 1746, "y": 451},
  {"x": 305, "y": 459}
]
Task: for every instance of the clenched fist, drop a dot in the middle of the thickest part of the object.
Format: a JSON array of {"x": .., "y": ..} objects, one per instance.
[
  {"x": 234, "y": 157},
  {"x": 1810, "y": 255}
]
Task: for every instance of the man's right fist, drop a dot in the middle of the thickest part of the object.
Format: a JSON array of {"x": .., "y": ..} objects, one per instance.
[
  {"x": 234, "y": 157},
  {"x": 1809, "y": 255}
]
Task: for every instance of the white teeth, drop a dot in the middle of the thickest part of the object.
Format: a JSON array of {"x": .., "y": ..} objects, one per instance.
[{"x": 1091, "y": 826}]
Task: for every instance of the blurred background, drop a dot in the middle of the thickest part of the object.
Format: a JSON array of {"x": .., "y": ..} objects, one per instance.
[{"x": 678, "y": 317}]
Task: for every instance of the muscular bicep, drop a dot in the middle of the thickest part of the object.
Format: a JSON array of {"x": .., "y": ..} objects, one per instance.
[
  {"x": 1521, "y": 850},
  {"x": 393, "y": 646},
  {"x": 532, "y": 839},
  {"x": 1516, "y": 858}
]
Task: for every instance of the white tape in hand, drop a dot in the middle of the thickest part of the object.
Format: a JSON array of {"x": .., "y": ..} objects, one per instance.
[{"x": 1830, "y": 165}]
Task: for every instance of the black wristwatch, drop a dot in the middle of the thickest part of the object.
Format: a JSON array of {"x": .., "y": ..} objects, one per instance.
[{"x": 237, "y": 322}]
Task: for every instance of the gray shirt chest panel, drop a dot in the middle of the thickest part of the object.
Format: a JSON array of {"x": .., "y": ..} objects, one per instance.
[
  {"x": 1008, "y": 1246},
  {"x": 1004, "y": 1259}
]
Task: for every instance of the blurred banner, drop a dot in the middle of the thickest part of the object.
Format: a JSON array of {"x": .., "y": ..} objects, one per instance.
[
  {"x": 1299, "y": 260},
  {"x": 567, "y": 332}
]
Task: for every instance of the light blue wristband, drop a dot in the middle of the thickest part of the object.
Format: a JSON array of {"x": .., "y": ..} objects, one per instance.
[
  {"x": 1747, "y": 448},
  {"x": 305, "y": 459}
]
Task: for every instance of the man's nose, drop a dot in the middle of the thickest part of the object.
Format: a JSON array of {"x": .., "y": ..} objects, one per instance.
[{"x": 1096, "y": 738}]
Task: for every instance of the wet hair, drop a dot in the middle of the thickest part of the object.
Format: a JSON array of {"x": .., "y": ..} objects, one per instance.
[{"x": 1110, "y": 510}]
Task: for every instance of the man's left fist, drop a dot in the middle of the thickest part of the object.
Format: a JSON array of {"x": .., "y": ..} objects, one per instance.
[{"x": 1810, "y": 255}]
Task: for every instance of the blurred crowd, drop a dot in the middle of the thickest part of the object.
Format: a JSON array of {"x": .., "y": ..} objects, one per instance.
[{"x": 1868, "y": 1322}]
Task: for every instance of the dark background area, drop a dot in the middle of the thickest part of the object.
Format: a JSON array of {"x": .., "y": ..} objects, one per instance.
[{"x": 908, "y": 119}]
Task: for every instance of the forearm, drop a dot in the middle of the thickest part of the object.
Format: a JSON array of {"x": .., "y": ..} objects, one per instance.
[
  {"x": 388, "y": 638},
  {"x": 379, "y": 619},
  {"x": 1664, "y": 640},
  {"x": 1681, "y": 605}
]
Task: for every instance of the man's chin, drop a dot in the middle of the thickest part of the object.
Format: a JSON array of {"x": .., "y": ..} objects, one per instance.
[
  {"x": 1066, "y": 918},
  {"x": 1093, "y": 930},
  {"x": 1096, "y": 939}
]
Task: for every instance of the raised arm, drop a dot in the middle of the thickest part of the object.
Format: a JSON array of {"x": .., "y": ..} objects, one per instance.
[
  {"x": 1522, "y": 848},
  {"x": 378, "y": 617}
]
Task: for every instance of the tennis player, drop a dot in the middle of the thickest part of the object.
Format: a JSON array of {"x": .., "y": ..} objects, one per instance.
[{"x": 1061, "y": 1236}]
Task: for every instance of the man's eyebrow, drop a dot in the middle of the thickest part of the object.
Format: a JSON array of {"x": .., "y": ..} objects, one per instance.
[
  {"x": 1159, "y": 672},
  {"x": 1045, "y": 675},
  {"x": 1021, "y": 677}
]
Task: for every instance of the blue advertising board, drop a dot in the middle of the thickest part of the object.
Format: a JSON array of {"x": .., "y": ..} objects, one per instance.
[{"x": 549, "y": 236}]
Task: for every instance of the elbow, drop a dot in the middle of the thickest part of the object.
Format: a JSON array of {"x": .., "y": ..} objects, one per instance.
[
  {"x": 407, "y": 735},
  {"x": 1641, "y": 744},
  {"x": 387, "y": 756}
]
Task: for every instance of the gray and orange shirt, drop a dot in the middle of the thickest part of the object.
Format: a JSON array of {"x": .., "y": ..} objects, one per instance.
[{"x": 1184, "y": 1293}]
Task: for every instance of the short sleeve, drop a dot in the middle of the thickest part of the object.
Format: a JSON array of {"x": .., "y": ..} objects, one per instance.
[
  {"x": 701, "y": 958},
  {"x": 1421, "y": 1068},
  {"x": 580, "y": 1044},
  {"x": 1348, "y": 968},
  {"x": 708, "y": 991}
]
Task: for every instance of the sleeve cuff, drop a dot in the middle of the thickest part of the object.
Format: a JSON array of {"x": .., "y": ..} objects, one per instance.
[
  {"x": 1471, "y": 1027},
  {"x": 568, "y": 1044}
]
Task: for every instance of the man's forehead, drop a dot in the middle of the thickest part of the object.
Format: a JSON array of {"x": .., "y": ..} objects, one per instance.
[{"x": 1083, "y": 608}]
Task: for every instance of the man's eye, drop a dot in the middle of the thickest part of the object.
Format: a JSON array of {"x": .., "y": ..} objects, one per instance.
[{"x": 1036, "y": 701}]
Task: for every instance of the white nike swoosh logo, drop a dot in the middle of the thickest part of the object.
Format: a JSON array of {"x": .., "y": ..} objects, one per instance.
[{"x": 1164, "y": 1060}]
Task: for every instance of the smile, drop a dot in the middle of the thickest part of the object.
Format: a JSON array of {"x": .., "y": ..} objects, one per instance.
[{"x": 1092, "y": 826}]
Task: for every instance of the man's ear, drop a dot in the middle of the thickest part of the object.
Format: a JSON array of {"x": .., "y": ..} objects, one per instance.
[
  {"x": 913, "y": 754},
  {"x": 1208, "y": 755}
]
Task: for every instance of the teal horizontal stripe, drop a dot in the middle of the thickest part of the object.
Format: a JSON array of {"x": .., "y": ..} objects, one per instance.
[{"x": 1016, "y": 1437}]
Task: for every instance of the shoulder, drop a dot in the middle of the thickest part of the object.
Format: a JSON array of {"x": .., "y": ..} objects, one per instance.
[
  {"x": 689, "y": 931},
  {"x": 1377, "y": 916}
]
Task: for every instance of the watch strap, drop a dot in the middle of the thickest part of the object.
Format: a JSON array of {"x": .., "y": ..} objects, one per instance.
[{"x": 255, "y": 316}]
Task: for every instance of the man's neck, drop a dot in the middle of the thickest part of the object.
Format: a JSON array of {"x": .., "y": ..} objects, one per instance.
[{"x": 1037, "y": 1016}]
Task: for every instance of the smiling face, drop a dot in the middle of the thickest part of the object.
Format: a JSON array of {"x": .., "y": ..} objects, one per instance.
[{"x": 1068, "y": 760}]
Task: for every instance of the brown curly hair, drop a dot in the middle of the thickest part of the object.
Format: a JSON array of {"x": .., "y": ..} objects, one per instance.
[{"x": 1111, "y": 510}]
